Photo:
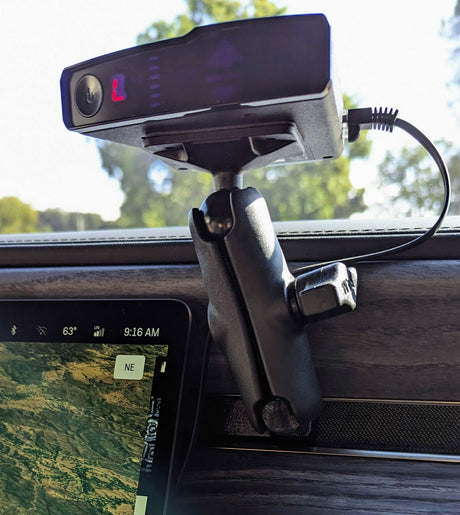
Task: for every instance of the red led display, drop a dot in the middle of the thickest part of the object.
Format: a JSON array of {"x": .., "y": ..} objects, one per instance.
[{"x": 118, "y": 88}]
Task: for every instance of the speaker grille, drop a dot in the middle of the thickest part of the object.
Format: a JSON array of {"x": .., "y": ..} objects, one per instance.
[
  {"x": 421, "y": 428},
  {"x": 346, "y": 424}
]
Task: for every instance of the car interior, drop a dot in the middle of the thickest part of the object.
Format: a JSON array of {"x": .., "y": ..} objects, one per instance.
[{"x": 234, "y": 365}]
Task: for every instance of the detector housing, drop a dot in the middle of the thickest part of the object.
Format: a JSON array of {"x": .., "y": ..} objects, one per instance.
[{"x": 264, "y": 83}]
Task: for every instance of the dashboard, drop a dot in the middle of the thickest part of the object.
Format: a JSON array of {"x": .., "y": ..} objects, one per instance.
[
  {"x": 127, "y": 355},
  {"x": 389, "y": 372}
]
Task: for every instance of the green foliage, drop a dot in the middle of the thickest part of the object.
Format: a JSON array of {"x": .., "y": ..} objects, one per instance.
[
  {"x": 412, "y": 180},
  {"x": 311, "y": 191},
  {"x": 132, "y": 167},
  {"x": 454, "y": 170},
  {"x": 451, "y": 30},
  {"x": 155, "y": 195},
  {"x": 16, "y": 216},
  {"x": 200, "y": 12},
  {"x": 52, "y": 220}
]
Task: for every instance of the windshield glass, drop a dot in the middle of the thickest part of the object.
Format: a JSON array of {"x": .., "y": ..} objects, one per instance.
[{"x": 394, "y": 54}]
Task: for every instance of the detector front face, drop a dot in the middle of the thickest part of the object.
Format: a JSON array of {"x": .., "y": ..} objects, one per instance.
[{"x": 258, "y": 70}]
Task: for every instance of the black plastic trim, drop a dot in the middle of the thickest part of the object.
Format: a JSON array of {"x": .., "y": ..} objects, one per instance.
[{"x": 300, "y": 240}]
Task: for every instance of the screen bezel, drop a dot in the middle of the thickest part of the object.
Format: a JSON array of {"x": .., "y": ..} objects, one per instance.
[{"x": 175, "y": 329}]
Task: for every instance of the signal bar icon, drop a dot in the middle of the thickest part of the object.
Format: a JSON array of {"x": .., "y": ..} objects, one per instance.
[{"x": 98, "y": 331}]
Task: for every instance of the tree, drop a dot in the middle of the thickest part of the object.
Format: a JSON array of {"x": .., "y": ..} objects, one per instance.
[
  {"x": 17, "y": 217},
  {"x": 411, "y": 178},
  {"x": 413, "y": 183},
  {"x": 451, "y": 30},
  {"x": 132, "y": 168},
  {"x": 158, "y": 195},
  {"x": 200, "y": 12},
  {"x": 313, "y": 191},
  {"x": 52, "y": 220}
]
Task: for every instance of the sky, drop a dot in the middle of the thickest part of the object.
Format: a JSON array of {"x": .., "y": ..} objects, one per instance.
[{"x": 388, "y": 53}]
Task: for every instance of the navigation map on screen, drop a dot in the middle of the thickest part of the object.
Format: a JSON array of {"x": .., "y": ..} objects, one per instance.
[{"x": 73, "y": 419}]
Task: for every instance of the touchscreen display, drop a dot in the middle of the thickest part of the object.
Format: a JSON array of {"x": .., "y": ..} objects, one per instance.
[{"x": 81, "y": 387}]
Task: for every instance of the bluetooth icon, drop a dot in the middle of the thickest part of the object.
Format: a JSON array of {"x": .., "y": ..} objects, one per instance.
[{"x": 14, "y": 330}]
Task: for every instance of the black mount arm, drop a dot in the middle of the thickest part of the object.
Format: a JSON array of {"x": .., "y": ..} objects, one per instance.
[
  {"x": 258, "y": 310},
  {"x": 247, "y": 280}
]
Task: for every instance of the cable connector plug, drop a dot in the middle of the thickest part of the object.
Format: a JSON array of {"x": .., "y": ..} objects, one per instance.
[
  {"x": 325, "y": 292},
  {"x": 369, "y": 118}
]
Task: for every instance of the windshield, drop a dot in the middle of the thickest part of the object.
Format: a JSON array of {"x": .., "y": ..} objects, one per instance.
[{"x": 394, "y": 54}]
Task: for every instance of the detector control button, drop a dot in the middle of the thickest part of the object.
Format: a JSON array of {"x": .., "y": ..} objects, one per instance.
[{"x": 88, "y": 95}]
